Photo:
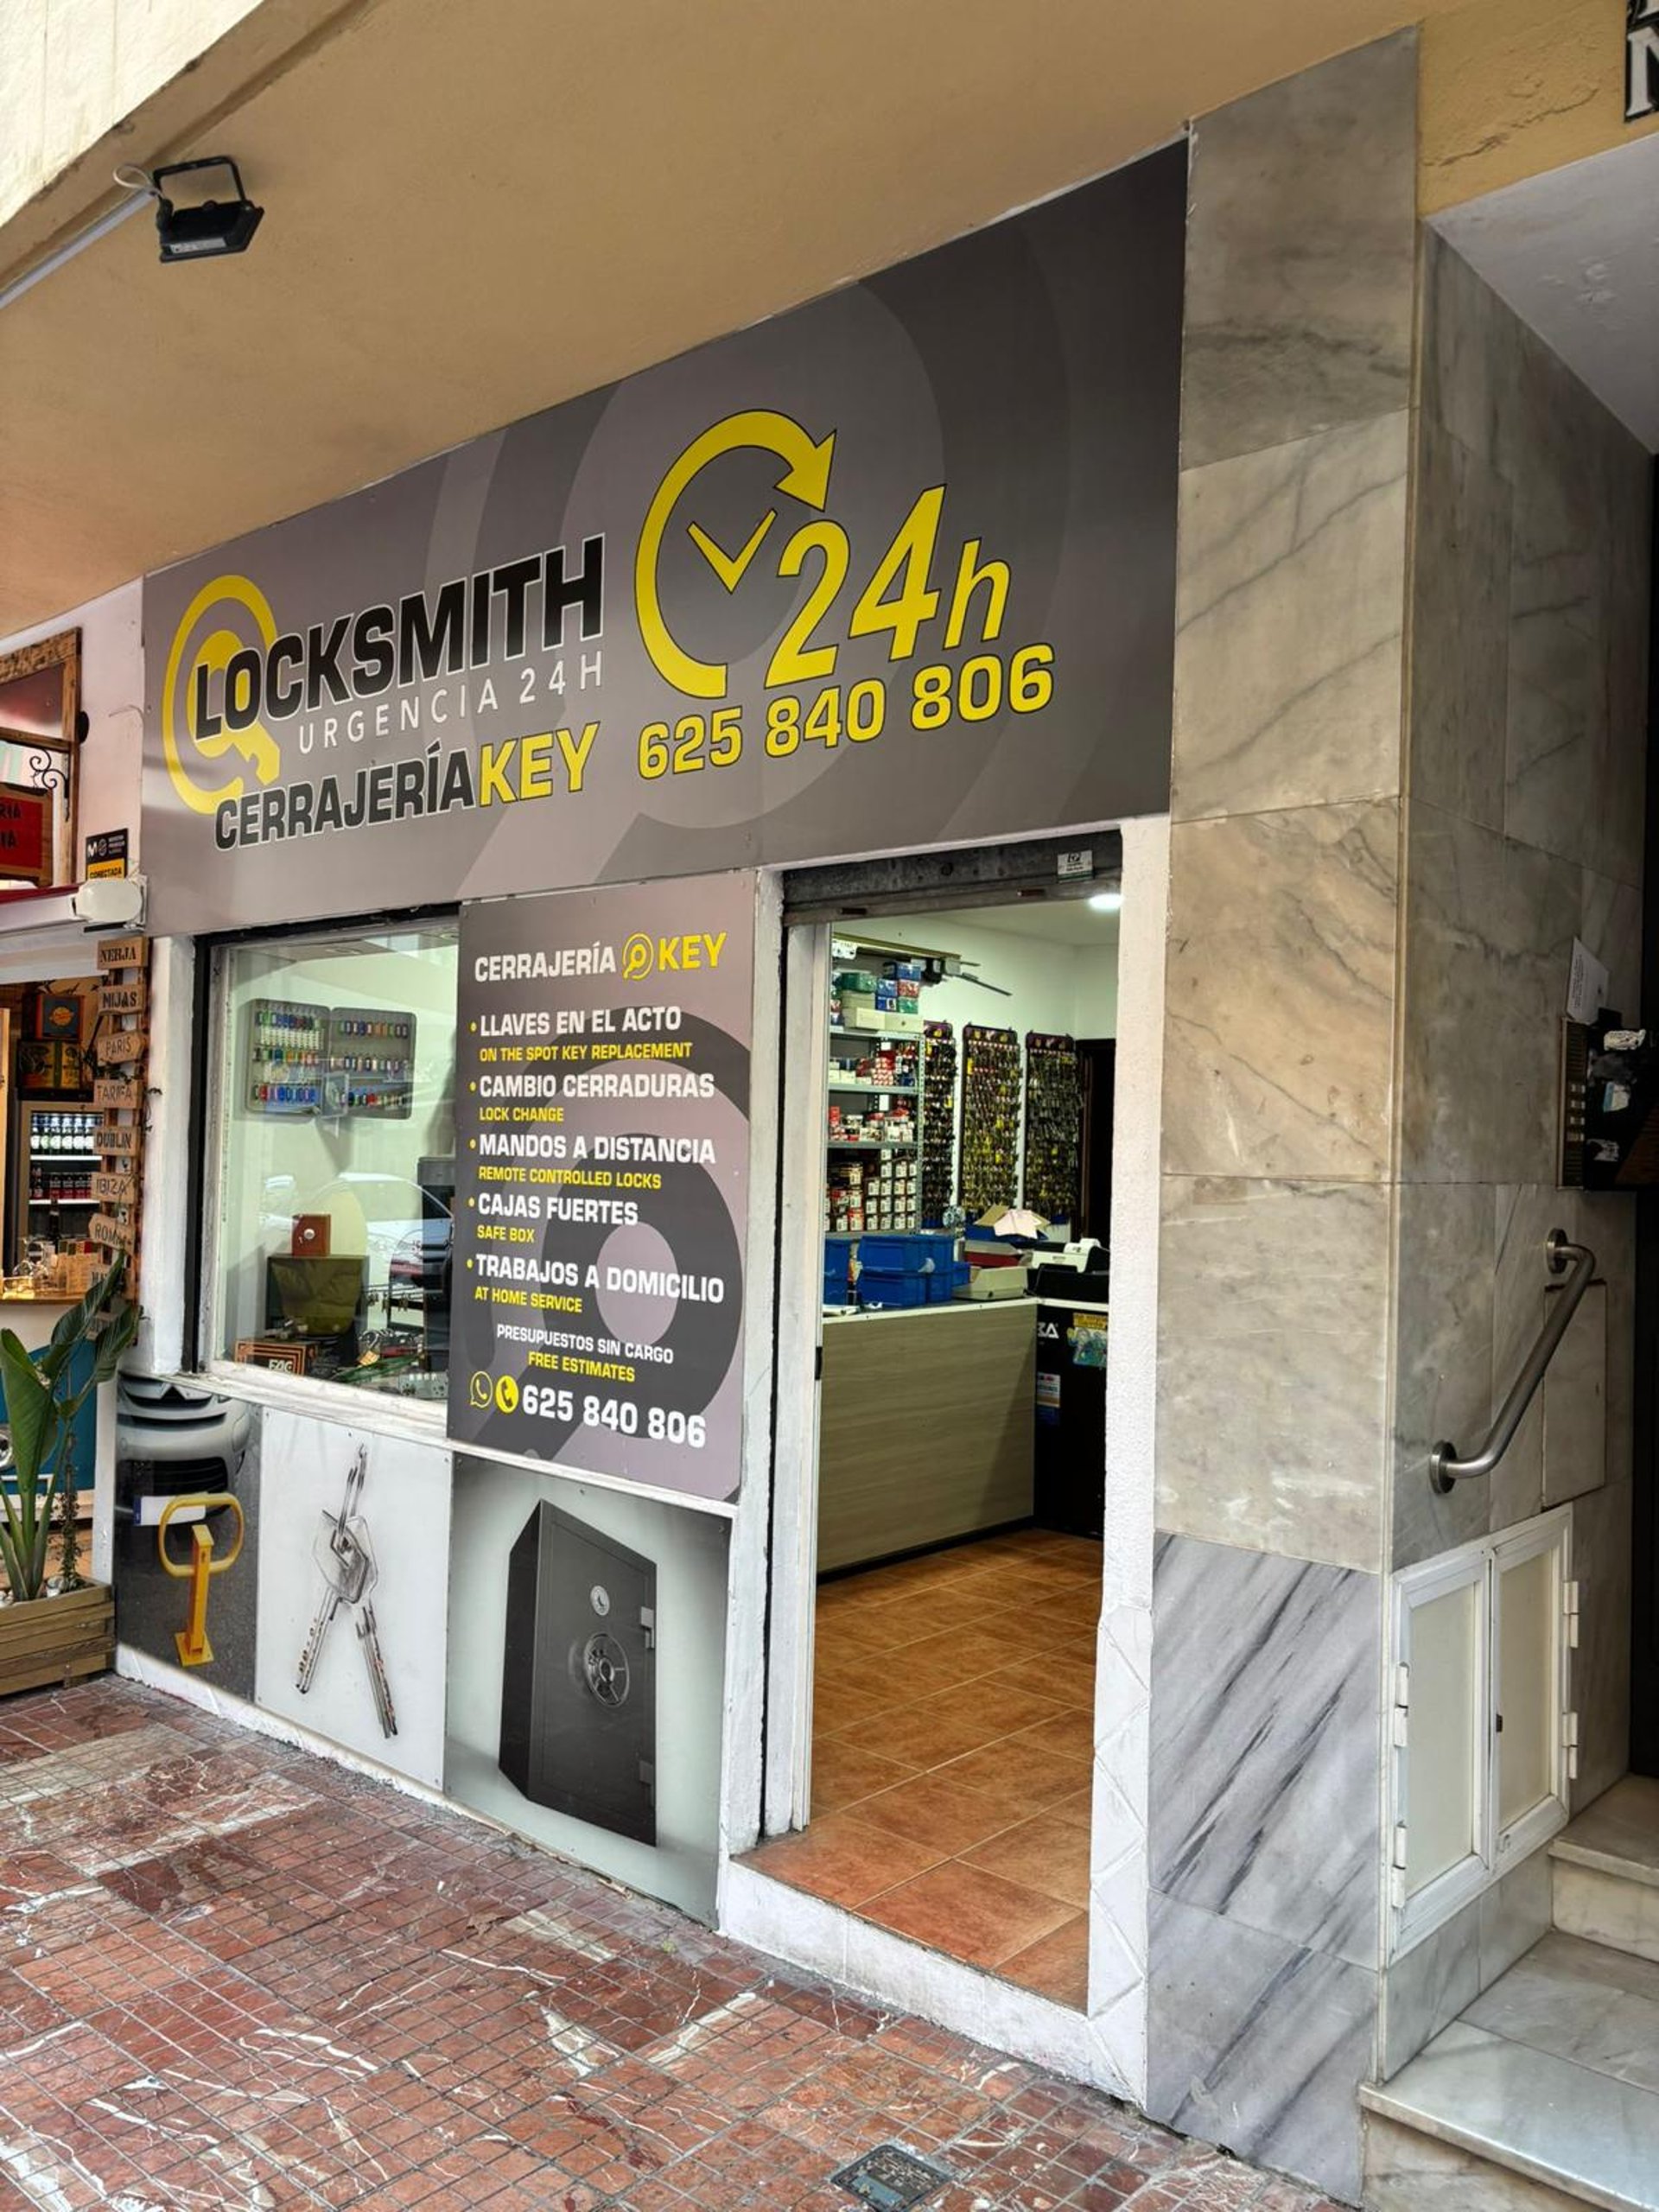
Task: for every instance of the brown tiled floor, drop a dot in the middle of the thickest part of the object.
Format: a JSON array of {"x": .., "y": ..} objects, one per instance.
[
  {"x": 235, "y": 1979},
  {"x": 953, "y": 1721}
]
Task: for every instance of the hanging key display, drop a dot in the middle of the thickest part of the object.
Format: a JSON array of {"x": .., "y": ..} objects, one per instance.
[
  {"x": 1054, "y": 1126},
  {"x": 316, "y": 1060},
  {"x": 939, "y": 1123},
  {"x": 990, "y": 1117}
]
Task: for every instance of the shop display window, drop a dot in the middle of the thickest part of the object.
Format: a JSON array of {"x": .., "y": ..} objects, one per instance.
[{"x": 337, "y": 1166}]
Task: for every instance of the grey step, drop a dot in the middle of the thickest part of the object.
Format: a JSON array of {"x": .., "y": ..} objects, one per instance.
[
  {"x": 1606, "y": 1870},
  {"x": 1545, "y": 2092}
]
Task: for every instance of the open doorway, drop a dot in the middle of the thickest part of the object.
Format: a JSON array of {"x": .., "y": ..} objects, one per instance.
[{"x": 959, "y": 1111}]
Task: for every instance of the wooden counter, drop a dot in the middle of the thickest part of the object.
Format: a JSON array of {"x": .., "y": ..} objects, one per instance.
[{"x": 924, "y": 1426}]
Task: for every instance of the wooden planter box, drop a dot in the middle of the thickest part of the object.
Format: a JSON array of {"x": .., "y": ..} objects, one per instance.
[{"x": 52, "y": 1641}]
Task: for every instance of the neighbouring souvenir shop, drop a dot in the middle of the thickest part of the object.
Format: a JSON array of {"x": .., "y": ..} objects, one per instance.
[
  {"x": 72, "y": 1037},
  {"x": 509, "y": 1196}
]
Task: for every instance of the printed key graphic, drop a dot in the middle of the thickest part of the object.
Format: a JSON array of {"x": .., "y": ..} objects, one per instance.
[{"x": 345, "y": 1553}]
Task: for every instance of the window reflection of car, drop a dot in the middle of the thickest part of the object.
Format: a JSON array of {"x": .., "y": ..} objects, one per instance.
[
  {"x": 172, "y": 1439},
  {"x": 421, "y": 1260},
  {"x": 404, "y": 1247}
]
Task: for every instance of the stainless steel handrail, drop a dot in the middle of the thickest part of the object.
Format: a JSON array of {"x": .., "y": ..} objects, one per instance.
[{"x": 1446, "y": 1469}]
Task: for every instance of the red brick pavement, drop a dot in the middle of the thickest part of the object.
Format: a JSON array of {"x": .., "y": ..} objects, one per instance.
[{"x": 234, "y": 1975}]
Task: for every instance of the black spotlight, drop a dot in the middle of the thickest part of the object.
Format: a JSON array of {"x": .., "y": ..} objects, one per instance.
[{"x": 213, "y": 226}]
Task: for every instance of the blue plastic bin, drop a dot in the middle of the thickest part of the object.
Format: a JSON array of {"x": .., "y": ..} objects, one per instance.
[
  {"x": 898, "y": 1255},
  {"x": 838, "y": 1269},
  {"x": 876, "y": 1289}
]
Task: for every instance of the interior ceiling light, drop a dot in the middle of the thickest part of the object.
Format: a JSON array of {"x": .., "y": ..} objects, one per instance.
[
  {"x": 1106, "y": 902},
  {"x": 209, "y": 228}
]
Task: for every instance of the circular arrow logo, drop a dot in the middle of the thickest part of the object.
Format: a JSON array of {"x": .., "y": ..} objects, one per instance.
[{"x": 805, "y": 477}]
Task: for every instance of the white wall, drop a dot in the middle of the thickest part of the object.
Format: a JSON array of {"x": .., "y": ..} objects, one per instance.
[{"x": 71, "y": 69}]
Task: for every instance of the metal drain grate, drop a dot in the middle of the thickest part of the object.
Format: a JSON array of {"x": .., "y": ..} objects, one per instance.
[{"x": 890, "y": 2179}]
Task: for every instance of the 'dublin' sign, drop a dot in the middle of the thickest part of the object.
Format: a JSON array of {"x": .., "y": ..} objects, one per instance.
[{"x": 893, "y": 569}]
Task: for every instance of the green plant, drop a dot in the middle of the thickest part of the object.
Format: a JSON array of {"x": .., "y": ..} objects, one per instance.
[{"x": 42, "y": 1403}]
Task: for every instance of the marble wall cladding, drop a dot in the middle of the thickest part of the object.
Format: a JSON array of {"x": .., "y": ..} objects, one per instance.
[
  {"x": 1531, "y": 547},
  {"x": 1426, "y": 1990},
  {"x": 1573, "y": 1401},
  {"x": 1295, "y": 1274},
  {"x": 1443, "y": 1362},
  {"x": 1459, "y": 628},
  {"x": 1605, "y": 1908},
  {"x": 1290, "y": 616},
  {"x": 1602, "y": 1544},
  {"x": 1408, "y": 2171},
  {"x": 1426, "y": 1987},
  {"x": 1279, "y": 993},
  {"x": 1300, "y": 256},
  {"x": 1488, "y": 937},
  {"x": 1265, "y": 1729},
  {"x": 1523, "y": 1215},
  {"x": 1515, "y": 1914},
  {"x": 1259, "y": 2046},
  {"x": 1606, "y": 1223}
]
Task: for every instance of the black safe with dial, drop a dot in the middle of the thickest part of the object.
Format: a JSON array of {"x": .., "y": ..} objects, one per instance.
[{"x": 579, "y": 1675}]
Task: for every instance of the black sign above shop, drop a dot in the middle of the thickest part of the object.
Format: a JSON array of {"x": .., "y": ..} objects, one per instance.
[{"x": 894, "y": 569}]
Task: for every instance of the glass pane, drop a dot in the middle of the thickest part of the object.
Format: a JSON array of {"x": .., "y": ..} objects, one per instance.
[
  {"x": 339, "y": 1170},
  {"x": 1440, "y": 1802},
  {"x": 1526, "y": 1687}
]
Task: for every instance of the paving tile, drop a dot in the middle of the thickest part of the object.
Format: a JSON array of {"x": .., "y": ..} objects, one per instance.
[{"x": 258, "y": 1981}]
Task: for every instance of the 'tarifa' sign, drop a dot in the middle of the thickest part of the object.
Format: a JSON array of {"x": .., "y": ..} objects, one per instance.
[{"x": 1641, "y": 61}]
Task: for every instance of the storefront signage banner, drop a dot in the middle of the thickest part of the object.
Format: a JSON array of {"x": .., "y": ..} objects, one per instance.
[
  {"x": 602, "y": 1180},
  {"x": 893, "y": 569}
]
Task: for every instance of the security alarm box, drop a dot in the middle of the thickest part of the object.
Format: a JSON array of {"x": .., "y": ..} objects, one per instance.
[{"x": 579, "y": 1675}]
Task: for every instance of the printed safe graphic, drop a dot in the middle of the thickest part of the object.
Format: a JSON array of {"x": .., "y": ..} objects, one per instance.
[{"x": 579, "y": 1675}]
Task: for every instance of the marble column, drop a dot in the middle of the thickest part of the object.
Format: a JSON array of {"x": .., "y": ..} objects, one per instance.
[{"x": 1280, "y": 1108}]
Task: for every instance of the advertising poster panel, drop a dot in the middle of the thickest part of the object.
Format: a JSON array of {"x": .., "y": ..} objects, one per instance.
[
  {"x": 353, "y": 1575},
  {"x": 587, "y": 1674},
  {"x": 601, "y": 1190},
  {"x": 893, "y": 569}
]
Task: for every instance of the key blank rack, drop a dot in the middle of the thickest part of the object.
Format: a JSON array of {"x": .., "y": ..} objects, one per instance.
[{"x": 349, "y": 1060}]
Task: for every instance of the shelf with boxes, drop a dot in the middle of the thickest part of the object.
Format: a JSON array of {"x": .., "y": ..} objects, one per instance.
[{"x": 874, "y": 1089}]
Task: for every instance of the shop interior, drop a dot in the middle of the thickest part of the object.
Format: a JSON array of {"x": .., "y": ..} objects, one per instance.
[
  {"x": 337, "y": 1170},
  {"x": 967, "y": 1130}
]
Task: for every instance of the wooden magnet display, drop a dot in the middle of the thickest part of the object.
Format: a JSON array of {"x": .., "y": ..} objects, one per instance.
[
  {"x": 115, "y": 952},
  {"x": 120, "y": 1046}
]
